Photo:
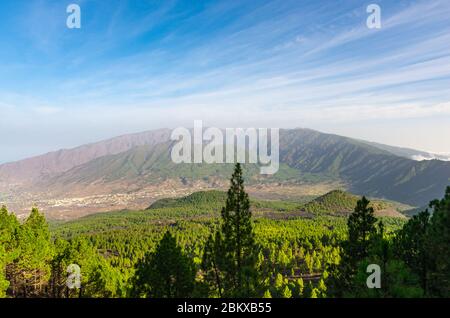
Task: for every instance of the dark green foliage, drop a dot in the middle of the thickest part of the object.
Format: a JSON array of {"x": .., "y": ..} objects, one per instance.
[
  {"x": 414, "y": 261},
  {"x": 397, "y": 281},
  {"x": 361, "y": 227},
  {"x": 164, "y": 273},
  {"x": 424, "y": 244},
  {"x": 212, "y": 264},
  {"x": 361, "y": 231},
  {"x": 439, "y": 246},
  {"x": 412, "y": 246}
]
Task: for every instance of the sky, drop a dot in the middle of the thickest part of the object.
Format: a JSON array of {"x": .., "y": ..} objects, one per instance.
[{"x": 144, "y": 64}]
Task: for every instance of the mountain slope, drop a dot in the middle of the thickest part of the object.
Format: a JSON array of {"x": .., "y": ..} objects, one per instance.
[
  {"x": 365, "y": 169},
  {"x": 215, "y": 200},
  {"x": 142, "y": 164},
  {"x": 39, "y": 167},
  {"x": 341, "y": 202},
  {"x": 334, "y": 201},
  {"x": 305, "y": 156}
]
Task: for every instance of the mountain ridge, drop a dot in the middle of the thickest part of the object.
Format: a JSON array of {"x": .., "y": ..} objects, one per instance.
[
  {"x": 62, "y": 160},
  {"x": 134, "y": 161}
]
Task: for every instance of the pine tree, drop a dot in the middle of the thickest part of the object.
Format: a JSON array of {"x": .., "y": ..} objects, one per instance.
[
  {"x": 212, "y": 263},
  {"x": 8, "y": 246},
  {"x": 314, "y": 293},
  {"x": 59, "y": 263},
  {"x": 361, "y": 232},
  {"x": 322, "y": 288},
  {"x": 98, "y": 279},
  {"x": 239, "y": 248},
  {"x": 3, "y": 282},
  {"x": 411, "y": 245},
  {"x": 31, "y": 270},
  {"x": 286, "y": 293},
  {"x": 165, "y": 273},
  {"x": 397, "y": 281},
  {"x": 267, "y": 294},
  {"x": 361, "y": 227},
  {"x": 439, "y": 246},
  {"x": 300, "y": 286}
]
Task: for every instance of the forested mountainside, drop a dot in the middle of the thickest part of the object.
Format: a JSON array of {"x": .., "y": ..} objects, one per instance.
[{"x": 288, "y": 249}]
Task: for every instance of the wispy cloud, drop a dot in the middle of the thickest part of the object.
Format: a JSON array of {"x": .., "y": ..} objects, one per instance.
[{"x": 286, "y": 64}]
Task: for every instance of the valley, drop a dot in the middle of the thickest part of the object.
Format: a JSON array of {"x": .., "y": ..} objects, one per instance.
[
  {"x": 82, "y": 203},
  {"x": 131, "y": 171}
]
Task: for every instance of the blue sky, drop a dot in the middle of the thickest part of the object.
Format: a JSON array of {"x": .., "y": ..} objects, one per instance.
[{"x": 139, "y": 65}]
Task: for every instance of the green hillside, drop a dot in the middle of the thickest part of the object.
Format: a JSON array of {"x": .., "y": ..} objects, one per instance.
[
  {"x": 214, "y": 200},
  {"x": 339, "y": 201},
  {"x": 211, "y": 198},
  {"x": 334, "y": 203}
]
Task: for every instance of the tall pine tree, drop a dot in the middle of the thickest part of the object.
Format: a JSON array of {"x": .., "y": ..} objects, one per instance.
[
  {"x": 411, "y": 245},
  {"x": 439, "y": 246},
  {"x": 212, "y": 263},
  {"x": 165, "y": 273},
  {"x": 237, "y": 256},
  {"x": 32, "y": 267},
  {"x": 8, "y": 246},
  {"x": 361, "y": 229},
  {"x": 361, "y": 232}
]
